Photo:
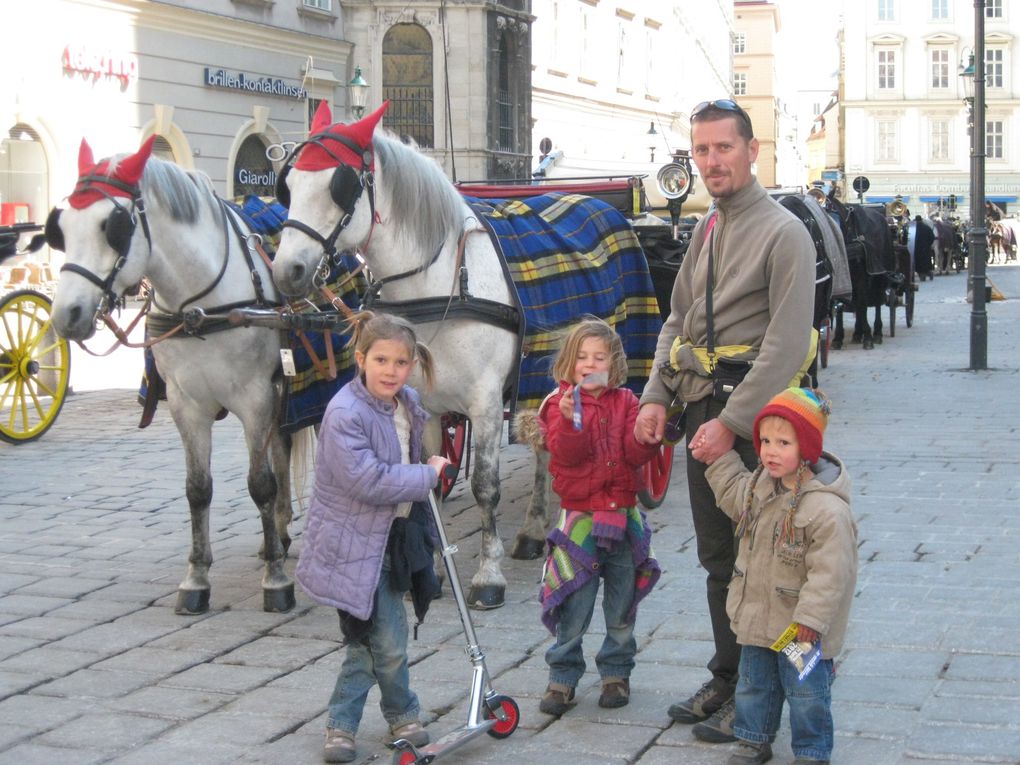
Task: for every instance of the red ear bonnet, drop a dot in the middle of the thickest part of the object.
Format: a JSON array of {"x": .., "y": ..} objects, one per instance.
[
  {"x": 128, "y": 172},
  {"x": 314, "y": 157}
]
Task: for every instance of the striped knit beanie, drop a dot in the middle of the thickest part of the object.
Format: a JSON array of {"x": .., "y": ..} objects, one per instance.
[{"x": 807, "y": 410}]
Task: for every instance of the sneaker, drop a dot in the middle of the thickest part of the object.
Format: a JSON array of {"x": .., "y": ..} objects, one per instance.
[
  {"x": 750, "y": 753},
  {"x": 557, "y": 699},
  {"x": 339, "y": 746},
  {"x": 411, "y": 732},
  {"x": 717, "y": 729},
  {"x": 702, "y": 704},
  {"x": 615, "y": 692}
]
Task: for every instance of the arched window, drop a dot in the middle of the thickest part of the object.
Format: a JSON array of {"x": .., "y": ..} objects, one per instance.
[
  {"x": 161, "y": 149},
  {"x": 407, "y": 83},
  {"x": 253, "y": 172}
]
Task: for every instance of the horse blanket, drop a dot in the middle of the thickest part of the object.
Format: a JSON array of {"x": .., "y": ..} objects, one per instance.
[{"x": 569, "y": 255}]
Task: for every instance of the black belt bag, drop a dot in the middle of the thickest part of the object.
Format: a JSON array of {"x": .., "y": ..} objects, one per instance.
[{"x": 727, "y": 375}]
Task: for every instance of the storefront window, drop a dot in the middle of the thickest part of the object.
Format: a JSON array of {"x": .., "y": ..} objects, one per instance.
[
  {"x": 23, "y": 177},
  {"x": 253, "y": 172}
]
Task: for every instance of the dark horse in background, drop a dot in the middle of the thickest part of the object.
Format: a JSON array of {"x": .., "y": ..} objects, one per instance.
[{"x": 873, "y": 268}]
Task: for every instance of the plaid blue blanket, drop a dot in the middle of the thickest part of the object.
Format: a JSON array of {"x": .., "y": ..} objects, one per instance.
[{"x": 570, "y": 255}]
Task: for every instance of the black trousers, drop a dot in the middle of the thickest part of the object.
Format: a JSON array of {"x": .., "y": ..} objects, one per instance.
[{"x": 717, "y": 547}]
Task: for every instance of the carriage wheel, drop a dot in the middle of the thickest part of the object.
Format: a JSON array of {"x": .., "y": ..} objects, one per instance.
[
  {"x": 454, "y": 440},
  {"x": 657, "y": 472},
  {"x": 35, "y": 366}
]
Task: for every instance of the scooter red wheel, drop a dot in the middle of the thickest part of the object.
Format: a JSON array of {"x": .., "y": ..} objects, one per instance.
[
  {"x": 404, "y": 757},
  {"x": 503, "y": 728}
]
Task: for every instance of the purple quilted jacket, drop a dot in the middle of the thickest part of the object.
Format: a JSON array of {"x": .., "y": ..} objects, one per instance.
[{"x": 359, "y": 480}]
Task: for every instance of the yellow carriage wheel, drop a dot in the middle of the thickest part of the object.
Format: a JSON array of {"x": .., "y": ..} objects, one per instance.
[{"x": 35, "y": 366}]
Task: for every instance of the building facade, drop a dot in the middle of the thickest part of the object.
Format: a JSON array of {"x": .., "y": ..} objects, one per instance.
[
  {"x": 219, "y": 81},
  {"x": 756, "y": 25},
  {"x": 613, "y": 84},
  {"x": 905, "y": 120}
]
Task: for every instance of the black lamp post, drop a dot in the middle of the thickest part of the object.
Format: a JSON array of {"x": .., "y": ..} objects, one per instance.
[
  {"x": 359, "y": 93},
  {"x": 974, "y": 83}
]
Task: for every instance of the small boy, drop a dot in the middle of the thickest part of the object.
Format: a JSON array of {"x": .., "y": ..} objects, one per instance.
[{"x": 796, "y": 565}]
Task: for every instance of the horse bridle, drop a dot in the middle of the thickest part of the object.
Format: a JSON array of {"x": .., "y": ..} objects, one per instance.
[
  {"x": 119, "y": 228},
  {"x": 345, "y": 189}
]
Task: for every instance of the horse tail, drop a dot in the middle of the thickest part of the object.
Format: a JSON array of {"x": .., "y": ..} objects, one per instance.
[{"x": 302, "y": 462}]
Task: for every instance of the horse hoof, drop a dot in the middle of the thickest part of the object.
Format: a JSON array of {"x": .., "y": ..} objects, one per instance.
[
  {"x": 878, "y": 339},
  {"x": 192, "y": 602},
  {"x": 856, "y": 339},
  {"x": 486, "y": 598},
  {"x": 278, "y": 600},
  {"x": 868, "y": 345},
  {"x": 526, "y": 548},
  {"x": 837, "y": 345}
]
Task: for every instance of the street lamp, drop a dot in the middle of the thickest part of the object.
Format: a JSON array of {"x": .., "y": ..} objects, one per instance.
[
  {"x": 974, "y": 83},
  {"x": 359, "y": 93}
]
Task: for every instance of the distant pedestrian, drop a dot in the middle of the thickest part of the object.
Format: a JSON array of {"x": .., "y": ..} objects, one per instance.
[
  {"x": 796, "y": 565},
  {"x": 364, "y": 539},
  {"x": 588, "y": 427}
]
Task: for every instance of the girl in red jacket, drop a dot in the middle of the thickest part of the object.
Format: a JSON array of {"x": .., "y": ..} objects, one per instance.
[{"x": 588, "y": 426}]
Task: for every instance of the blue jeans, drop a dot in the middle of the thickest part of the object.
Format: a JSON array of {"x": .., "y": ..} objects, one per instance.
[
  {"x": 616, "y": 657},
  {"x": 766, "y": 679},
  {"x": 383, "y": 661}
]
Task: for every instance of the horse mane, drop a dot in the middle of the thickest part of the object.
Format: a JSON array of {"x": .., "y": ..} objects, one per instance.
[
  {"x": 419, "y": 194},
  {"x": 180, "y": 192}
]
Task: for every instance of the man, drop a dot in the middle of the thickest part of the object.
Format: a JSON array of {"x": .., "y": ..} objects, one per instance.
[{"x": 762, "y": 305}]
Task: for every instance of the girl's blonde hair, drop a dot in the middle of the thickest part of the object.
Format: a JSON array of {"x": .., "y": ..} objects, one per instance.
[
  {"x": 591, "y": 326},
  {"x": 368, "y": 327}
]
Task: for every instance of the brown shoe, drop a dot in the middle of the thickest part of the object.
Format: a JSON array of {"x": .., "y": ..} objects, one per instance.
[
  {"x": 339, "y": 746},
  {"x": 615, "y": 692},
  {"x": 411, "y": 732},
  {"x": 557, "y": 699}
]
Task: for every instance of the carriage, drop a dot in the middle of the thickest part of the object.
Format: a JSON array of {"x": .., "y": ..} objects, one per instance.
[{"x": 35, "y": 364}]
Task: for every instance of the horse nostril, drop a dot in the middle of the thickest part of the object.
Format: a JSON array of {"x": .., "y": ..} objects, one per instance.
[{"x": 74, "y": 315}]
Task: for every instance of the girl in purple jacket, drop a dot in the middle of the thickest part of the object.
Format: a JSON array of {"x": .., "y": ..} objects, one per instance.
[
  {"x": 601, "y": 534},
  {"x": 367, "y": 474}
]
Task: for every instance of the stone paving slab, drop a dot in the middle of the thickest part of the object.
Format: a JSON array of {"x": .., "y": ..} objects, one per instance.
[{"x": 96, "y": 668}]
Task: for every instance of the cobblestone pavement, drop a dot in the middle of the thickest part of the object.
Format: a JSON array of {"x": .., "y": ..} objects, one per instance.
[{"x": 96, "y": 668}]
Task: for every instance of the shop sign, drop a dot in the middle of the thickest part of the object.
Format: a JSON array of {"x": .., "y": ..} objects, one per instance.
[
  {"x": 257, "y": 177},
  {"x": 270, "y": 86},
  {"x": 100, "y": 63}
]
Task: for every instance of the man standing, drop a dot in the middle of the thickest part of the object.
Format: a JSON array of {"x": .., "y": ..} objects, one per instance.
[{"x": 761, "y": 299}]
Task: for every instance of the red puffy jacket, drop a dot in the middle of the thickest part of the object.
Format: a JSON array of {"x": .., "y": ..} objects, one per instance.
[{"x": 595, "y": 468}]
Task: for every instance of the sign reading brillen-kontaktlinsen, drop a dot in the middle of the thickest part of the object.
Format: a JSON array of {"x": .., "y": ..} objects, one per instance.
[{"x": 270, "y": 86}]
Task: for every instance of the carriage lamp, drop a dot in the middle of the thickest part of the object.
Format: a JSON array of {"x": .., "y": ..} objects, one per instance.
[
  {"x": 358, "y": 88},
  {"x": 675, "y": 182}
]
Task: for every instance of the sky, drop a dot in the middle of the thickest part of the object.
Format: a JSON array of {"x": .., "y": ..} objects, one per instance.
[{"x": 806, "y": 49}]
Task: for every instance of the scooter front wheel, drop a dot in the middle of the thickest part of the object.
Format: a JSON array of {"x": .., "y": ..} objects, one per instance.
[{"x": 511, "y": 711}]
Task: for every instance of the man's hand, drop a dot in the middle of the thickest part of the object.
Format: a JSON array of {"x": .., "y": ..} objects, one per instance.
[
  {"x": 711, "y": 442},
  {"x": 650, "y": 424},
  {"x": 806, "y": 634}
]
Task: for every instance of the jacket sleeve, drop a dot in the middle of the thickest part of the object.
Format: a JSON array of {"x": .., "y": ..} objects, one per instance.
[
  {"x": 831, "y": 562},
  {"x": 568, "y": 446},
  {"x": 730, "y": 480},
  {"x": 785, "y": 345},
  {"x": 636, "y": 454},
  {"x": 362, "y": 474}
]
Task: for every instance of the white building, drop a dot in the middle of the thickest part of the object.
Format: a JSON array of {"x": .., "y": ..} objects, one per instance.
[
  {"x": 905, "y": 121},
  {"x": 605, "y": 74}
]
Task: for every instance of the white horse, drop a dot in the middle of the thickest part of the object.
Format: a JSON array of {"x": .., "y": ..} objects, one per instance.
[
  {"x": 358, "y": 188},
  {"x": 134, "y": 216}
]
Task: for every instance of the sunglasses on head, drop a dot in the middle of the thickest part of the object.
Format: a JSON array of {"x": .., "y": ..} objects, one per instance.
[{"x": 722, "y": 104}]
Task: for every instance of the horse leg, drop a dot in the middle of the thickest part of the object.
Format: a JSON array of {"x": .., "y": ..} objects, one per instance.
[
  {"x": 259, "y": 432},
  {"x": 281, "y": 450},
  {"x": 862, "y": 329},
  {"x": 488, "y": 585},
  {"x": 530, "y": 540},
  {"x": 877, "y": 332},
  {"x": 196, "y": 436},
  {"x": 839, "y": 332}
]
